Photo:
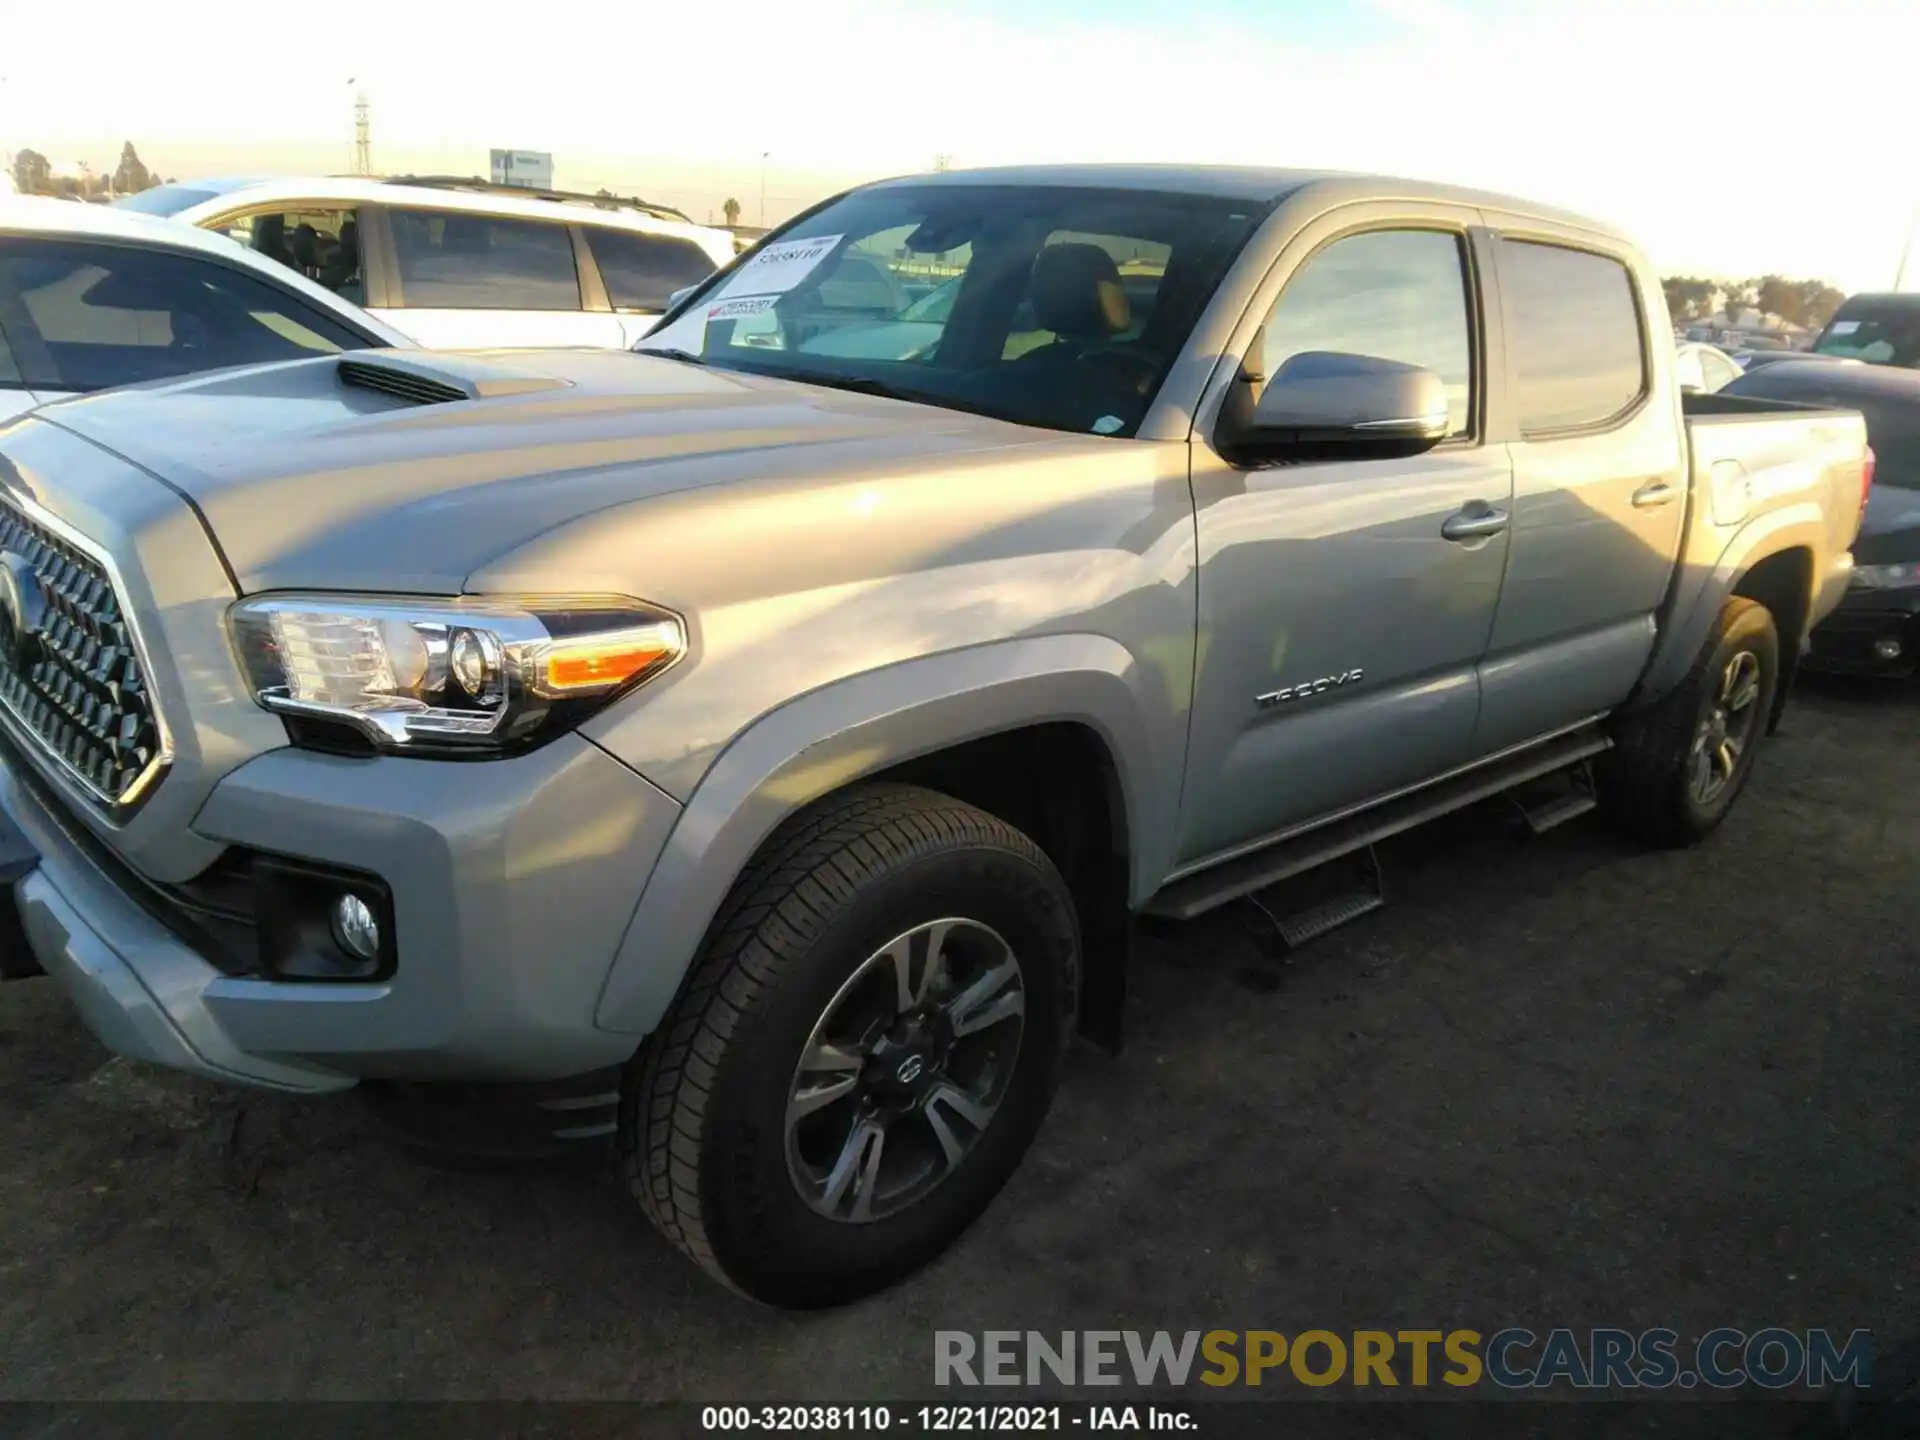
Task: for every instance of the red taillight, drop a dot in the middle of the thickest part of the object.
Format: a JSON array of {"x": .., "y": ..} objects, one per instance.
[{"x": 1866, "y": 476}]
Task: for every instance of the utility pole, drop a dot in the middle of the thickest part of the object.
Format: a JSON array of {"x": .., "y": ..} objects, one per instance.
[
  {"x": 763, "y": 187},
  {"x": 362, "y": 136}
]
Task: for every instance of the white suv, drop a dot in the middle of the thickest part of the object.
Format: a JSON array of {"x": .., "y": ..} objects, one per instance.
[
  {"x": 91, "y": 298},
  {"x": 460, "y": 263}
]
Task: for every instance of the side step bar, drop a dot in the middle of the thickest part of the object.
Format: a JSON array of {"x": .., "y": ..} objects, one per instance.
[{"x": 1296, "y": 854}]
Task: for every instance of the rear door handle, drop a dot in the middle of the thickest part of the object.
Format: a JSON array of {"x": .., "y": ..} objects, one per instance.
[
  {"x": 1654, "y": 492},
  {"x": 1475, "y": 522}
]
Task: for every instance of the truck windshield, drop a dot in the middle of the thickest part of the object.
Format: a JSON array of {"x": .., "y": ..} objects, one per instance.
[
  {"x": 1062, "y": 307},
  {"x": 1883, "y": 333}
]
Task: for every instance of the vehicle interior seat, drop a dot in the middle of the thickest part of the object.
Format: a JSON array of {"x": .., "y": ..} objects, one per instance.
[
  {"x": 1075, "y": 292},
  {"x": 343, "y": 266},
  {"x": 305, "y": 245},
  {"x": 270, "y": 238}
]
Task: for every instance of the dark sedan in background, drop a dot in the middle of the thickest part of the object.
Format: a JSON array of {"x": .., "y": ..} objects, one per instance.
[{"x": 1876, "y": 630}]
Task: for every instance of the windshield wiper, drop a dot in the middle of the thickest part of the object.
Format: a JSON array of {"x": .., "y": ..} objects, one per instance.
[
  {"x": 868, "y": 385},
  {"x": 684, "y": 355}
]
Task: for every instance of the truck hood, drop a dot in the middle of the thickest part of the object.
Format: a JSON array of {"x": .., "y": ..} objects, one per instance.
[{"x": 308, "y": 478}]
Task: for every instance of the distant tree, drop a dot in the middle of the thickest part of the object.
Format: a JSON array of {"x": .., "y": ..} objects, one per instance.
[
  {"x": 1735, "y": 296},
  {"x": 32, "y": 174},
  {"x": 731, "y": 210},
  {"x": 1818, "y": 301},
  {"x": 1777, "y": 295},
  {"x": 1688, "y": 296},
  {"x": 130, "y": 175}
]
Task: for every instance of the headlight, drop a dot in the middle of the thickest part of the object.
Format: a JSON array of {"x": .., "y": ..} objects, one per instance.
[
  {"x": 463, "y": 676},
  {"x": 1886, "y": 577}
]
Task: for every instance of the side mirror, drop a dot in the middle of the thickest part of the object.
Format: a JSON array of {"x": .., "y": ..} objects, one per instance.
[
  {"x": 1326, "y": 398},
  {"x": 677, "y": 296}
]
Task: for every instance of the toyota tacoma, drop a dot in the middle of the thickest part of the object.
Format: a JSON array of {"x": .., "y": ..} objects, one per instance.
[{"x": 757, "y": 749}]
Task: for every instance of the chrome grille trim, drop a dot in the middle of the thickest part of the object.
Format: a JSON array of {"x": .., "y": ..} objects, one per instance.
[{"x": 21, "y": 726}]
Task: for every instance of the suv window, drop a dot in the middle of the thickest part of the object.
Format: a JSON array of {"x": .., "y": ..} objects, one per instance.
[
  {"x": 85, "y": 317},
  {"x": 9, "y": 372},
  {"x": 1579, "y": 357},
  {"x": 1391, "y": 294},
  {"x": 322, "y": 244},
  {"x": 642, "y": 271},
  {"x": 450, "y": 260}
]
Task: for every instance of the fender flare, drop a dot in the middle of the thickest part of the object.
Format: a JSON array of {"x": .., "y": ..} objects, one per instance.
[
  {"x": 1699, "y": 592},
  {"x": 833, "y": 736}
]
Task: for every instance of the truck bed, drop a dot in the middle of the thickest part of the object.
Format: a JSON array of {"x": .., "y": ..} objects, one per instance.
[{"x": 1761, "y": 470}]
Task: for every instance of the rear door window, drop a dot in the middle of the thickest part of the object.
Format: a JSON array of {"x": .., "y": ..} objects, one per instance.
[
  {"x": 1578, "y": 350},
  {"x": 320, "y": 242},
  {"x": 86, "y": 317},
  {"x": 451, "y": 260},
  {"x": 642, "y": 271}
]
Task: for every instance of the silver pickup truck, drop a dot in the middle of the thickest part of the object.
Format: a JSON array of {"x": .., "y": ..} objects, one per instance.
[{"x": 757, "y": 749}]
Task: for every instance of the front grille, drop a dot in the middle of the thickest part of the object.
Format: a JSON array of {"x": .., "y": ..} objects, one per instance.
[{"x": 70, "y": 672}]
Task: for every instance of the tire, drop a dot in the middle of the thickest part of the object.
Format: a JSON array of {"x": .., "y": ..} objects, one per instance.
[
  {"x": 799, "y": 961},
  {"x": 1649, "y": 784}
]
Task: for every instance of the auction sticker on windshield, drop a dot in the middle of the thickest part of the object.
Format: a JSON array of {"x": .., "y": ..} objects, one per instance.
[
  {"x": 777, "y": 268},
  {"x": 722, "y": 310}
]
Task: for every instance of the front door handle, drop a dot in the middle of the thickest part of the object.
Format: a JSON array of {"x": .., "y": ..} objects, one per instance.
[
  {"x": 1476, "y": 521},
  {"x": 1654, "y": 492}
]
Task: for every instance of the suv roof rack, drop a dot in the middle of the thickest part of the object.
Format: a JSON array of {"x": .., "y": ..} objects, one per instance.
[{"x": 478, "y": 185}]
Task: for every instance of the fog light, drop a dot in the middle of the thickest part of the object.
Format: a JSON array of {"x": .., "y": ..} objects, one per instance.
[
  {"x": 1886, "y": 648},
  {"x": 354, "y": 928}
]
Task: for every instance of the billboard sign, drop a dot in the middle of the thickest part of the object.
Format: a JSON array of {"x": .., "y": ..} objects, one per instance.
[{"x": 532, "y": 169}]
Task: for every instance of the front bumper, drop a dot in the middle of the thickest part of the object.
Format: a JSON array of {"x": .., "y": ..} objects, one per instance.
[
  {"x": 512, "y": 882},
  {"x": 1873, "y": 632}
]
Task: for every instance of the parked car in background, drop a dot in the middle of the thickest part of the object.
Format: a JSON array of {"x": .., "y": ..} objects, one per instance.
[
  {"x": 1757, "y": 359},
  {"x": 92, "y": 297},
  {"x": 460, "y": 263},
  {"x": 1702, "y": 369},
  {"x": 1881, "y": 329},
  {"x": 827, "y": 719},
  {"x": 1876, "y": 629}
]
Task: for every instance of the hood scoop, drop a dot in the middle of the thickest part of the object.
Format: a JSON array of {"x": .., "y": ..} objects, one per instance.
[{"x": 440, "y": 381}]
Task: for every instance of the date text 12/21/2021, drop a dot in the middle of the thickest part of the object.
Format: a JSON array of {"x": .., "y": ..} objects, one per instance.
[{"x": 942, "y": 1419}]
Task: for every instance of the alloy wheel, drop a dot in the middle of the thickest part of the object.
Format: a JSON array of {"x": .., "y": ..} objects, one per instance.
[{"x": 904, "y": 1070}]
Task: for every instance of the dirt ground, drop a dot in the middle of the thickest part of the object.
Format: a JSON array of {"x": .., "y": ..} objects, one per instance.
[{"x": 1555, "y": 1082}]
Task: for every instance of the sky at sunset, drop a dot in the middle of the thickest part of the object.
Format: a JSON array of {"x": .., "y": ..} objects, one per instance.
[{"x": 1733, "y": 137}]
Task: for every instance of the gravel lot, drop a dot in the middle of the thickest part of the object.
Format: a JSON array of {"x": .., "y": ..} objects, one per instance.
[{"x": 1556, "y": 1082}]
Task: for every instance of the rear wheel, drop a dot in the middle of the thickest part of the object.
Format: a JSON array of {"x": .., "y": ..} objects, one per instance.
[
  {"x": 862, "y": 1054},
  {"x": 1677, "y": 767}
]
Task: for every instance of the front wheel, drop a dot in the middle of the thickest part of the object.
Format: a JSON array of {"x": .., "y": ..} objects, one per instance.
[
  {"x": 1677, "y": 767},
  {"x": 863, "y": 1052}
]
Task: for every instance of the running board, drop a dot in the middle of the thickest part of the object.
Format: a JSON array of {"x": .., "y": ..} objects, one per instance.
[
  {"x": 1310, "y": 924},
  {"x": 1296, "y": 854}
]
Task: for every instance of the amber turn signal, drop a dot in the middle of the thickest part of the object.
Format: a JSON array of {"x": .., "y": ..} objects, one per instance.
[{"x": 595, "y": 664}]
